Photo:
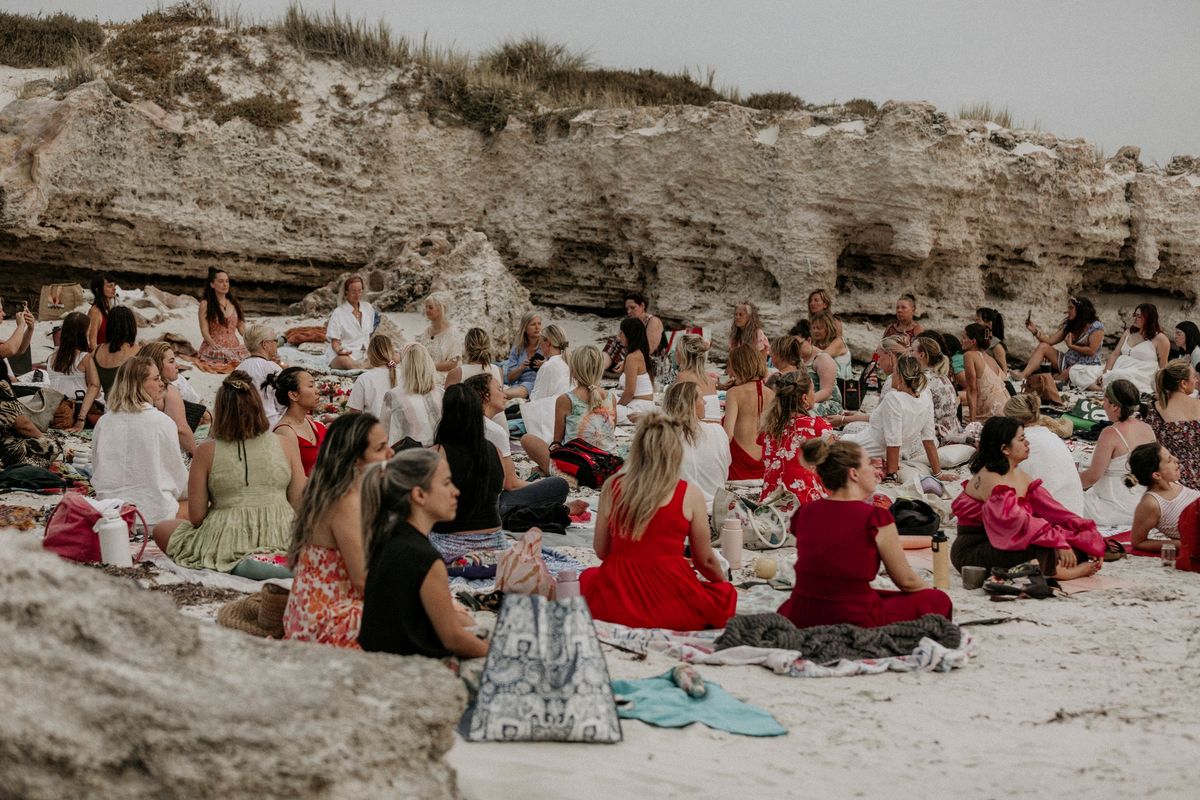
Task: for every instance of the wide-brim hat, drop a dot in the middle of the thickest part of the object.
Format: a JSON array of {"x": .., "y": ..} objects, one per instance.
[{"x": 258, "y": 614}]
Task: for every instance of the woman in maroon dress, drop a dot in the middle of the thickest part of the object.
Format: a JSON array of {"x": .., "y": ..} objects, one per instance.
[
  {"x": 646, "y": 515},
  {"x": 840, "y": 541}
]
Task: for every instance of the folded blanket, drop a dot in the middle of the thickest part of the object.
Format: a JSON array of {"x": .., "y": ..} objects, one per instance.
[
  {"x": 658, "y": 701},
  {"x": 825, "y": 644}
]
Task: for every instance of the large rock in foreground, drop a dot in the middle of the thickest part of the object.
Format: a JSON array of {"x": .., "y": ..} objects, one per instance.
[{"x": 110, "y": 692}]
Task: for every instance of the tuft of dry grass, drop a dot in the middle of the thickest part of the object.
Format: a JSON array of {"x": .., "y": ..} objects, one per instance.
[
  {"x": 774, "y": 101},
  {"x": 77, "y": 70},
  {"x": 986, "y": 112},
  {"x": 264, "y": 110},
  {"x": 861, "y": 107},
  {"x": 330, "y": 36},
  {"x": 36, "y": 41}
]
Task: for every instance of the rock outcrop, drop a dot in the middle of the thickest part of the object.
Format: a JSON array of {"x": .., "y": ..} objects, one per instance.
[
  {"x": 110, "y": 692},
  {"x": 700, "y": 206}
]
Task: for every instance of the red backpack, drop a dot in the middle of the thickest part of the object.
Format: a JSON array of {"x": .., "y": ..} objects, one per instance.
[
  {"x": 586, "y": 463},
  {"x": 70, "y": 529}
]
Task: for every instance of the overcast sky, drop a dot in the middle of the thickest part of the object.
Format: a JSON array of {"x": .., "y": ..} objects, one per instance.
[{"x": 1111, "y": 71}]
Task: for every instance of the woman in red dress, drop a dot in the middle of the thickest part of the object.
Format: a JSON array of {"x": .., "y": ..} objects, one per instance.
[
  {"x": 646, "y": 515},
  {"x": 296, "y": 392},
  {"x": 840, "y": 542},
  {"x": 786, "y": 426}
]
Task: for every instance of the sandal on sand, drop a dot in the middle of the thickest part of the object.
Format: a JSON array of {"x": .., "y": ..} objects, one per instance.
[
  {"x": 1027, "y": 570},
  {"x": 1113, "y": 550}
]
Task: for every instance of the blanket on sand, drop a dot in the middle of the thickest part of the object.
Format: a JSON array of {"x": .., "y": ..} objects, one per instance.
[{"x": 826, "y": 644}]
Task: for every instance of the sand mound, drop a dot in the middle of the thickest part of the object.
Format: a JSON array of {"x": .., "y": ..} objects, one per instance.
[{"x": 111, "y": 692}]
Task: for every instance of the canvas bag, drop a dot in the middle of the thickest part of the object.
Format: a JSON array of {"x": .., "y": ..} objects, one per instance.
[
  {"x": 70, "y": 295},
  {"x": 766, "y": 524},
  {"x": 521, "y": 570},
  {"x": 41, "y": 407},
  {"x": 70, "y": 529},
  {"x": 545, "y": 679}
]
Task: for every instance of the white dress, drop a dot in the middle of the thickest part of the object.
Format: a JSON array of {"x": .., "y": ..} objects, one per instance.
[
  {"x": 471, "y": 370},
  {"x": 354, "y": 335},
  {"x": 68, "y": 382},
  {"x": 1050, "y": 460},
  {"x": 706, "y": 463},
  {"x": 369, "y": 389},
  {"x": 900, "y": 420},
  {"x": 1136, "y": 364},
  {"x": 186, "y": 391},
  {"x": 155, "y": 479},
  {"x": 1109, "y": 502},
  {"x": 443, "y": 346},
  {"x": 415, "y": 416},
  {"x": 553, "y": 379},
  {"x": 258, "y": 368}
]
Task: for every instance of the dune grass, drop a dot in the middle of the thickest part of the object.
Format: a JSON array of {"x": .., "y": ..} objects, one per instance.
[
  {"x": 986, "y": 112},
  {"x": 51, "y": 41}
]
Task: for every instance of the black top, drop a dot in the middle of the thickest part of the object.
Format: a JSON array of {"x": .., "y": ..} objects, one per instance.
[
  {"x": 479, "y": 486},
  {"x": 394, "y": 619}
]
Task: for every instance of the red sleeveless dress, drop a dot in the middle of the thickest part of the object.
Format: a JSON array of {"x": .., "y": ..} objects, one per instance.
[
  {"x": 649, "y": 584},
  {"x": 309, "y": 450},
  {"x": 742, "y": 465}
]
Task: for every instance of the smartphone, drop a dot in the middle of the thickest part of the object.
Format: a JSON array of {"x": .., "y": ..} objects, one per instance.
[
  {"x": 1029, "y": 317},
  {"x": 25, "y": 305}
]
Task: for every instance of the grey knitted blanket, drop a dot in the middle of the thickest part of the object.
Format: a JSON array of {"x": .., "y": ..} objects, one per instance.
[{"x": 825, "y": 644}]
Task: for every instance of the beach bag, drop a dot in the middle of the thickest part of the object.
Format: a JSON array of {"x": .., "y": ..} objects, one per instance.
[
  {"x": 70, "y": 297},
  {"x": 586, "y": 463},
  {"x": 193, "y": 413},
  {"x": 853, "y": 389},
  {"x": 1086, "y": 414},
  {"x": 41, "y": 407},
  {"x": 915, "y": 517},
  {"x": 70, "y": 530},
  {"x": 521, "y": 570},
  {"x": 545, "y": 679},
  {"x": 766, "y": 524},
  {"x": 1042, "y": 384},
  {"x": 1188, "y": 558}
]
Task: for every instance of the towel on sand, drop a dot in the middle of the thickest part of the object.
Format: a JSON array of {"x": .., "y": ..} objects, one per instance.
[
  {"x": 825, "y": 644},
  {"x": 658, "y": 701}
]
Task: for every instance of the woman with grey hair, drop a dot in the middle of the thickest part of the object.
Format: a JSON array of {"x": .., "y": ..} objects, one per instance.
[{"x": 262, "y": 363}]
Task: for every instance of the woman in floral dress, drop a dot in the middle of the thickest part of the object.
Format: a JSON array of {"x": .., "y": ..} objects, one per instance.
[
  {"x": 787, "y": 424},
  {"x": 1174, "y": 416},
  {"x": 326, "y": 553},
  {"x": 221, "y": 321}
]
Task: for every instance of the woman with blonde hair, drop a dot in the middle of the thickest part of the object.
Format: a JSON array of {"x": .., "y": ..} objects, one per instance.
[
  {"x": 553, "y": 380},
  {"x": 587, "y": 412},
  {"x": 441, "y": 338},
  {"x": 170, "y": 401},
  {"x": 692, "y": 357},
  {"x": 787, "y": 424},
  {"x": 525, "y": 357},
  {"x": 826, "y": 336},
  {"x": 243, "y": 489},
  {"x": 135, "y": 447},
  {"x": 369, "y": 388},
  {"x": 900, "y": 430},
  {"x": 744, "y": 404},
  {"x": 705, "y": 448},
  {"x": 413, "y": 409},
  {"x": 942, "y": 391},
  {"x": 1050, "y": 460},
  {"x": 646, "y": 515},
  {"x": 1174, "y": 416},
  {"x": 747, "y": 330},
  {"x": 476, "y": 358}
]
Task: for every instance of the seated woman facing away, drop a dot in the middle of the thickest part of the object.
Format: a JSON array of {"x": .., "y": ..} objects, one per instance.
[
  {"x": 787, "y": 424},
  {"x": 840, "y": 542},
  {"x": 102, "y": 367},
  {"x": 993, "y": 320},
  {"x": 986, "y": 394},
  {"x": 636, "y": 384},
  {"x": 1050, "y": 459},
  {"x": 296, "y": 393},
  {"x": 413, "y": 408},
  {"x": 476, "y": 358},
  {"x": 369, "y": 388},
  {"x": 951, "y": 434},
  {"x": 1083, "y": 335},
  {"x": 475, "y": 467},
  {"x": 1107, "y": 500},
  {"x": 1160, "y": 508},
  {"x": 262, "y": 363},
  {"x": 136, "y": 452},
  {"x": 587, "y": 412},
  {"x": 1174, "y": 416},
  {"x": 744, "y": 405},
  {"x": 646, "y": 516},
  {"x": 66, "y": 370},
  {"x": 242, "y": 490},
  {"x": 407, "y": 607},
  {"x": 1006, "y": 518},
  {"x": 706, "y": 458},
  {"x": 326, "y": 556},
  {"x": 692, "y": 357}
]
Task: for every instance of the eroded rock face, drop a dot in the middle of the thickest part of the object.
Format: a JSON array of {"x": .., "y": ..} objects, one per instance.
[
  {"x": 700, "y": 207},
  {"x": 110, "y": 692}
]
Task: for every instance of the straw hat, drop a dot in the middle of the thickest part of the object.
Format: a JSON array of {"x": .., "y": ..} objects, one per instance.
[{"x": 257, "y": 614}]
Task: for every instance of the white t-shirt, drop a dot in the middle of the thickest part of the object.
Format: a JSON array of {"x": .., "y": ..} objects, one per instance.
[
  {"x": 1050, "y": 459},
  {"x": 353, "y": 335},
  {"x": 497, "y": 436},
  {"x": 369, "y": 389},
  {"x": 706, "y": 463},
  {"x": 553, "y": 379},
  {"x": 900, "y": 420},
  {"x": 185, "y": 389},
  {"x": 412, "y": 415},
  {"x": 258, "y": 368},
  {"x": 156, "y": 478}
]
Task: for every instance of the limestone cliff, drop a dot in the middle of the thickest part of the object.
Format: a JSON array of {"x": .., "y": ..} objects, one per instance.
[{"x": 700, "y": 206}]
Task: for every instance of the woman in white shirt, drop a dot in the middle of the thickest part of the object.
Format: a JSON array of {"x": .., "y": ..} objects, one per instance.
[
  {"x": 350, "y": 327},
  {"x": 900, "y": 429},
  {"x": 706, "y": 456},
  {"x": 262, "y": 363},
  {"x": 1049, "y": 458},
  {"x": 66, "y": 371},
  {"x": 441, "y": 338},
  {"x": 477, "y": 358},
  {"x": 414, "y": 408},
  {"x": 379, "y": 379},
  {"x": 135, "y": 446},
  {"x": 553, "y": 379}
]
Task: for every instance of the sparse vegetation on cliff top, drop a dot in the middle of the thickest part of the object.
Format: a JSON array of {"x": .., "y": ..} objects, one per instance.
[{"x": 37, "y": 41}]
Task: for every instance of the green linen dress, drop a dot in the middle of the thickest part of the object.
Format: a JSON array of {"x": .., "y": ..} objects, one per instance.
[{"x": 249, "y": 510}]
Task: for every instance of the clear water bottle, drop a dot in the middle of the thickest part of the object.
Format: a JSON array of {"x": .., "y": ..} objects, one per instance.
[{"x": 114, "y": 539}]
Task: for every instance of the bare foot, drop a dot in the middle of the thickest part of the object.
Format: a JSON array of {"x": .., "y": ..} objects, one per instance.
[
  {"x": 577, "y": 507},
  {"x": 1084, "y": 569}
]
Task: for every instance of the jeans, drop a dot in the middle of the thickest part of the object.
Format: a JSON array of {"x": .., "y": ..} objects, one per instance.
[{"x": 539, "y": 492}]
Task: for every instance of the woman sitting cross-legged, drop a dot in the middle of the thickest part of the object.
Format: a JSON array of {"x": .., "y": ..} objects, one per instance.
[
  {"x": 587, "y": 412},
  {"x": 706, "y": 457},
  {"x": 369, "y": 388},
  {"x": 1107, "y": 499},
  {"x": 787, "y": 424},
  {"x": 646, "y": 516},
  {"x": 244, "y": 485},
  {"x": 553, "y": 380},
  {"x": 521, "y": 366},
  {"x": 136, "y": 451},
  {"x": 636, "y": 384},
  {"x": 1141, "y": 352},
  {"x": 407, "y": 607},
  {"x": 101, "y": 368},
  {"x": 66, "y": 369},
  {"x": 296, "y": 393},
  {"x": 1006, "y": 518},
  {"x": 1083, "y": 334},
  {"x": 840, "y": 542},
  {"x": 1160, "y": 508},
  {"x": 413, "y": 408},
  {"x": 986, "y": 394},
  {"x": 744, "y": 404},
  {"x": 326, "y": 556}
]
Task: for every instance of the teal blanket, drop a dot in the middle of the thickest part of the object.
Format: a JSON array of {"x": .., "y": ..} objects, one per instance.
[{"x": 658, "y": 701}]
